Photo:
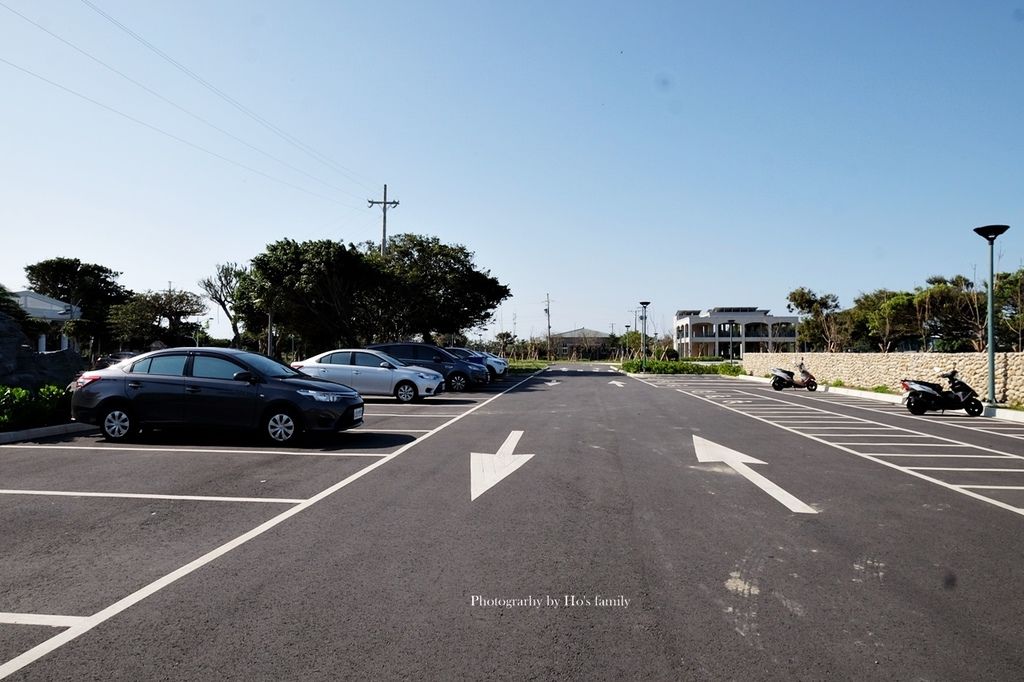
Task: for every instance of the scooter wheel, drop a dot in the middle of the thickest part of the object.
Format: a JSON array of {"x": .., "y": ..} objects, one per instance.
[
  {"x": 973, "y": 407},
  {"x": 916, "y": 405},
  {"x": 778, "y": 384},
  {"x": 812, "y": 385}
]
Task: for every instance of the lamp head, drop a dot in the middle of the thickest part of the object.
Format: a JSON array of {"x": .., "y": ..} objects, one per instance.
[
  {"x": 645, "y": 303},
  {"x": 990, "y": 232}
]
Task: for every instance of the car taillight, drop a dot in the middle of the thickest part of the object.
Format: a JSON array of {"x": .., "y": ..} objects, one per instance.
[
  {"x": 86, "y": 379},
  {"x": 296, "y": 365}
]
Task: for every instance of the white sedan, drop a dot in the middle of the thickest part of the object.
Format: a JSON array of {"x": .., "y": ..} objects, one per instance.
[{"x": 372, "y": 372}]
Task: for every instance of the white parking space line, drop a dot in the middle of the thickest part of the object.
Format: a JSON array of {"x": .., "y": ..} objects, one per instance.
[
  {"x": 993, "y": 487},
  {"x": 394, "y": 430},
  {"x": 40, "y": 619},
  {"x": 147, "y": 496},
  {"x": 936, "y": 456},
  {"x": 1015, "y": 471},
  {"x": 414, "y": 416},
  {"x": 207, "y": 451},
  {"x": 35, "y": 653},
  {"x": 807, "y": 429}
]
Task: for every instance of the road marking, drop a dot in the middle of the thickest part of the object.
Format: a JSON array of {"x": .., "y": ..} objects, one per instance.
[
  {"x": 617, "y": 383},
  {"x": 877, "y": 456},
  {"x": 486, "y": 470},
  {"x": 415, "y": 416},
  {"x": 394, "y": 430},
  {"x": 708, "y": 451},
  {"x": 40, "y": 619},
  {"x": 146, "y": 496},
  {"x": 552, "y": 383},
  {"x": 43, "y": 648}
]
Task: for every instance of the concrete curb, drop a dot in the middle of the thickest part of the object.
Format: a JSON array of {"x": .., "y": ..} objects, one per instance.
[{"x": 43, "y": 432}]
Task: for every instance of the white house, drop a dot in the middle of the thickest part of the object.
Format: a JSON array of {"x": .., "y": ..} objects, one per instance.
[
  {"x": 39, "y": 307},
  {"x": 731, "y": 332}
]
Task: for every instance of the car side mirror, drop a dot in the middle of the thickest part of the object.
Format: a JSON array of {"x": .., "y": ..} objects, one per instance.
[
  {"x": 387, "y": 365},
  {"x": 244, "y": 376}
]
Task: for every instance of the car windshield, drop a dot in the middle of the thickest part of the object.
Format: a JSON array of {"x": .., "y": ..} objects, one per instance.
[{"x": 269, "y": 367}]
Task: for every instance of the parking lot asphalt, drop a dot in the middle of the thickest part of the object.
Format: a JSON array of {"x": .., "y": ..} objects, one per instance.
[{"x": 573, "y": 523}]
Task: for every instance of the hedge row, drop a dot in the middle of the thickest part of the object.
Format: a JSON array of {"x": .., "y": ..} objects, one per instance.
[
  {"x": 21, "y": 408},
  {"x": 679, "y": 367}
]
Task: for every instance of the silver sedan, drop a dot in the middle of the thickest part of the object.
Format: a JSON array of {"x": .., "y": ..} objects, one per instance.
[{"x": 372, "y": 372}]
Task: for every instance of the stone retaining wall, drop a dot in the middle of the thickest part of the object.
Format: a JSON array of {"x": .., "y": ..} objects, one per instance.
[{"x": 867, "y": 370}]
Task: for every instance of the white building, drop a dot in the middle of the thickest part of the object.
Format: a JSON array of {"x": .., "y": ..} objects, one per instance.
[
  {"x": 39, "y": 307},
  {"x": 732, "y": 332}
]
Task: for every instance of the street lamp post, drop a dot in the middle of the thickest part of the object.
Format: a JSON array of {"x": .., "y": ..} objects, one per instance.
[
  {"x": 625, "y": 342},
  {"x": 989, "y": 233},
  {"x": 643, "y": 338}
]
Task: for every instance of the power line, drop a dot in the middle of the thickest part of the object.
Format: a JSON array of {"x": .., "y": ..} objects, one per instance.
[
  {"x": 174, "y": 104},
  {"x": 230, "y": 100},
  {"x": 172, "y": 135}
]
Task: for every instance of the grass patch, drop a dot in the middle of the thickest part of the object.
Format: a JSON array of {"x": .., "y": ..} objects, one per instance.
[{"x": 526, "y": 366}]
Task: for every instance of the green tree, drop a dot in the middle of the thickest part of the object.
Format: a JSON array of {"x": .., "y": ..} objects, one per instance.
[
  {"x": 140, "y": 321},
  {"x": 888, "y": 316},
  {"x": 433, "y": 288},
  {"x": 1009, "y": 303},
  {"x": 821, "y": 327},
  {"x": 222, "y": 289},
  {"x": 92, "y": 288},
  {"x": 953, "y": 313}
]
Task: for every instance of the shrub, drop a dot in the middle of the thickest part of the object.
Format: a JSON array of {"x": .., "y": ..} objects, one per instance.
[
  {"x": 681, "y": 367},
  {"x": 881, "y": 389},
  {"x": 838, "y": 383},
  {"x": 24, "y": 409}
]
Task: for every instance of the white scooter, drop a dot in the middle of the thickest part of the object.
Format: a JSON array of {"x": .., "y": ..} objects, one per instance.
[{"x": 783, "y": 378}]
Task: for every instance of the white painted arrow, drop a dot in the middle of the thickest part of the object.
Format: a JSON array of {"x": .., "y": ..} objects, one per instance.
[
  {"x": 552, "y": 383},
  {"x": 713, "y": 452},
  {"x": 486, "y": 470},
  {"x": 617, "y": 383}
]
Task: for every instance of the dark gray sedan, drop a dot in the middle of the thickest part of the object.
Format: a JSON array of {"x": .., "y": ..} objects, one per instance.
[{"x": 217, "y": 387}]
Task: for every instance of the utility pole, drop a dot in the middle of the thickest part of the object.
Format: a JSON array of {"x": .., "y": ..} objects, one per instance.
[
  {"x": 385, "y": 205},
  {"x": 547, "y": 311}
]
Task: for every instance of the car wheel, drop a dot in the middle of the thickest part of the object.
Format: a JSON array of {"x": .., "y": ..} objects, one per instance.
[
  {"x": 973, "y": 407},
  {"x": 117, "y": 423},
  {"x": 405, "y": 392},
  {"x": 458, "y": 382},
  {"x": 281, "y": 427}
]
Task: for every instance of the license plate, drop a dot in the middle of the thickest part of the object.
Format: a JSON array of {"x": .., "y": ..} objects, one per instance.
[{"x": 357, "y": 413}]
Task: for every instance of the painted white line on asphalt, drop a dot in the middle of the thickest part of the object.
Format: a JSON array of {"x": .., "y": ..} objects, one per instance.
[
  {"x": 147, "y": 496},
  {"x": 993, "y": 487},
  {"x": 40, "y": 619},
  {"x": 202, "y": 451},
  {"x": 874, "y": 458},
  {"x": 903, "y": 454},
  {"x": 415, "y": 416},
  {"x": 395, "y": 430},
  {"x": 1015, "y": 471},
  {"x": 55, "y": 642}
]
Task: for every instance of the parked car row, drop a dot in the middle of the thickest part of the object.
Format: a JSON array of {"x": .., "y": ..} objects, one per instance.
[{"x": 237, "y": 389}]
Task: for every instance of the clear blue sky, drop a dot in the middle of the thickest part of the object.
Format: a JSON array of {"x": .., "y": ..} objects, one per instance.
[{"x": 696, "y": 154}]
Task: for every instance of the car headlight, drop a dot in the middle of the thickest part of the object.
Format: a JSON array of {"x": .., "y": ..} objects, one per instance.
[
  {"x": 321, "y": 396},
  {"x": 425, "y": 377}
]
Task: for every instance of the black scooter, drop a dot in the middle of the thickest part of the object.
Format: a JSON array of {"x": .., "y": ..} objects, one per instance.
[{"x": 922, "y": 396}]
